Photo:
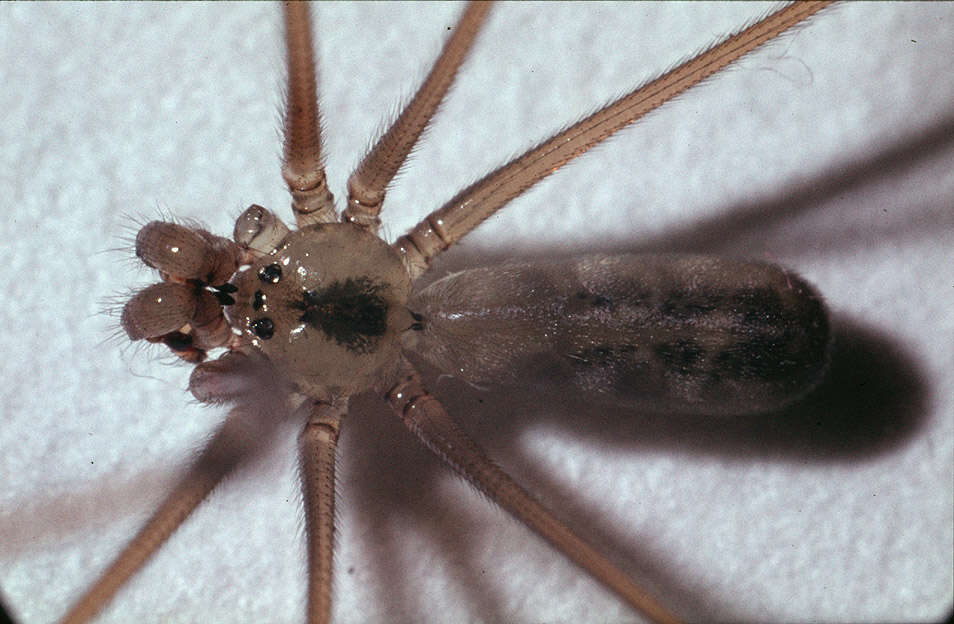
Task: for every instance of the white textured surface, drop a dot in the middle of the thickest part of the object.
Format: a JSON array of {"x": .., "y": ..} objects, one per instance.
[{"x": 842, "y": 514}]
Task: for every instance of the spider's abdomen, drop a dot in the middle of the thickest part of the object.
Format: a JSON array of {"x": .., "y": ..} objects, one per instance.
[
  {"x": 326, "y": 315},
  {"x": 675, "y": 333}
]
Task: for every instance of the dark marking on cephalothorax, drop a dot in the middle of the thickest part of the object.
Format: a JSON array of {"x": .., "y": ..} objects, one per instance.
[{"x": 352, "y": 312}]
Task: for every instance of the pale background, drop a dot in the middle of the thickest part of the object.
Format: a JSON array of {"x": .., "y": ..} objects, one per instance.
[{"x": 830, "y": 152}]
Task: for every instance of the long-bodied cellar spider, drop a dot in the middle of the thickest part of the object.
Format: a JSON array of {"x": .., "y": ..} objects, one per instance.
[{"x": 751, "y": 527}]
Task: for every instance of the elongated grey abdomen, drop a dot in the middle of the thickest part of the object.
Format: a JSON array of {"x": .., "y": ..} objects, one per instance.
[{"x": 660, "y": 332}]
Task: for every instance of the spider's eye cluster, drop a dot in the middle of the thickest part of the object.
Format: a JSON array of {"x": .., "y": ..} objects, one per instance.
[
  {"x": 270, "y": 274},
  {"x": 264, "y": 327}
]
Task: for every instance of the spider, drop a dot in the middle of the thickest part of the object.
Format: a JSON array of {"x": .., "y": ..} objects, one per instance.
[{"x": 588, "y": 440}]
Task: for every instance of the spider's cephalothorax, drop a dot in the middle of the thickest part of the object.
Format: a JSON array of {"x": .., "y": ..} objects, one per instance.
[
  {"x": 328, "y": 317},
  {"x": 310, "y": 317}
]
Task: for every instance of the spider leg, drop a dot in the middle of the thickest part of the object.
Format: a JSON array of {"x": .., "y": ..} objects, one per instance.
[
  {"x": 426, "y": 418},
  {"x": 303, "y": 165},
  {"x": 230, "y": 444},
  {"x": 318, "y": 442},
  {"x": 246, "y": 429},
  {"x": 368, "y": 184},
  {"x": 446, "y": 225}
]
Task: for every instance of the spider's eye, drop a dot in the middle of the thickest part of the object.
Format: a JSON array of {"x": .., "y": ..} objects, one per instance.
[
  {"x": 259, "y": 301},
  {"x": 264, "y": 328},
  {"x": 270, "y": 274}
]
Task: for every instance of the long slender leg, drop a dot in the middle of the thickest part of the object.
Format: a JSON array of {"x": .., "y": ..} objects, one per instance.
[
  {"x": 303, "y": 167},
  {"x": 425, "y": 416},
  {"x": 235, "y": 439},
  {"x": 470, "y": 207},
  {"x": 368, "y": 184},
  {"x": 318, "y": 441}
]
